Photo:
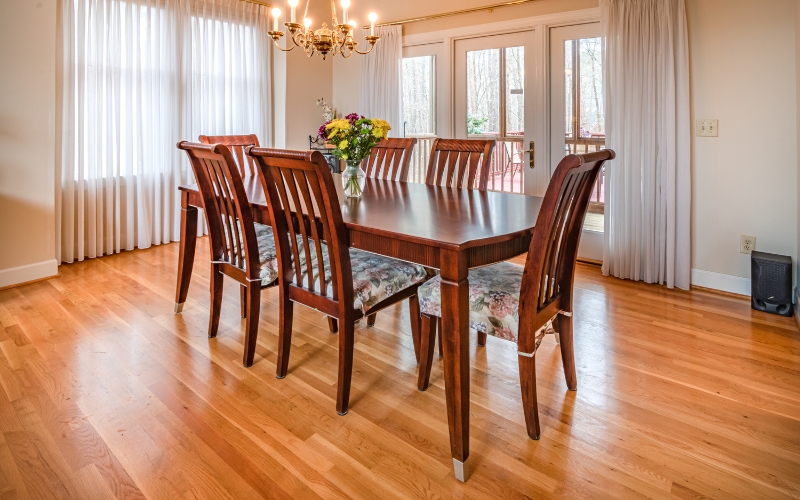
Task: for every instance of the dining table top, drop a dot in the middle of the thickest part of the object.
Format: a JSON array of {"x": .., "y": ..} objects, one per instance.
[{"x": 449, "y": 218}]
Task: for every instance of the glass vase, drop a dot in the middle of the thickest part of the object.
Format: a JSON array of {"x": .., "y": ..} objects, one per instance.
[{"x": 353, "y": 179}]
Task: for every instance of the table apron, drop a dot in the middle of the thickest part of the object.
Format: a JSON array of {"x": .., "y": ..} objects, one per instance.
[{"x": 428, "y": 255}]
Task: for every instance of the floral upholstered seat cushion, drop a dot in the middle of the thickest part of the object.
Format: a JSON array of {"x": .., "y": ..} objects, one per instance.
[
  {"x": 375, "y": 277},
  {"x": 267, "y": 255},
  {"x": 493, "y": 299}
]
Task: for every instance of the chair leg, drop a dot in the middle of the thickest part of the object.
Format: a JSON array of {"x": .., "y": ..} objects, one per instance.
[
  {"x": 217, "y": 279},
  {"x": 333, "y": 325},
  {"x": 427, "y": 345},
  {"x": 285, "y": 317},
  {"x": 253, "y": 305},
  {"x": 243, "y": 299},
  {"x": 481, "y": 339},
  {"x": 414, "y": 318},
  {"x": 439, "y": 334},
  {"x": 371, "y": 319},
  {"x": 346, "y": 340},
  {"x": 567, "y": 353},
  {"x": 527, "y": 382}
]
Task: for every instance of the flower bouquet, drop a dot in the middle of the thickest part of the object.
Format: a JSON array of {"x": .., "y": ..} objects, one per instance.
[{"x": 353, "y": 137}]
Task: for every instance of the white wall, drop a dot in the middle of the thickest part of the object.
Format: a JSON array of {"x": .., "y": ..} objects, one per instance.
[
  {"x": 27, "y": 140},
  {"x": 744, "y": 181}
]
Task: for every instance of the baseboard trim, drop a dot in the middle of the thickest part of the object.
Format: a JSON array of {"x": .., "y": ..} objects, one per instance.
[
  {"x": 24, "y": 274},
  {"x": 724, "y": 282}
]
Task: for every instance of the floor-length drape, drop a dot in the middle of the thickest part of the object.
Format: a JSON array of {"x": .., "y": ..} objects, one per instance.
[
  {"x": 648, "y": 194},
  {"x": 381, "y": 85},
  {"x": 139, "y": 76}
]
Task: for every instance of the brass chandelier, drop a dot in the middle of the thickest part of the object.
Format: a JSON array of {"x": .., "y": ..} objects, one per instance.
[{"x": 335, "y": 40}]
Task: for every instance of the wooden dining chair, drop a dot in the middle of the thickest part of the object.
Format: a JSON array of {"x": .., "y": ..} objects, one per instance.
[
  {"x": 237, "y": 145},
  {"x": 461, "y": 163},
  {"x": 317, "y": 267},
  {"x": 519, "y": 303},
  {"x": 240, "y": 248},
  {"x": 390, "y": 159}
]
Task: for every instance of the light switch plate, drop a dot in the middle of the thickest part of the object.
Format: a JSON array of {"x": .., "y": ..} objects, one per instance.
[{"x": 707, "y": 128}]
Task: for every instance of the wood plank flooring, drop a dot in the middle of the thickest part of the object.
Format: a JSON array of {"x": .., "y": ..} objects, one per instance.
[{"x": 105, "y": 393}]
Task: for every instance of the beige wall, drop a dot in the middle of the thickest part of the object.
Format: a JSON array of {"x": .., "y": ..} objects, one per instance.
[
  {"x": 27, "y": 139},
  {"x": 797, "y": 85},
  {"x": 394, "y": 10},
  {"x": 298, "y": 82},
  {"x": 742, "y": 67},
  {"x": 744, "y": 181}
]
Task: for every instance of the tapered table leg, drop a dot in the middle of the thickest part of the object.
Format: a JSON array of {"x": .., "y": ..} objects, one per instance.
[
  {"x": 188, "y": 244},
  {"x": 455, "y": 337}
]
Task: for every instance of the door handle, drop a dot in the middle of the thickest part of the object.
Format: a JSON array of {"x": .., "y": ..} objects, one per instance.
[{"x": 532, "y": 151}]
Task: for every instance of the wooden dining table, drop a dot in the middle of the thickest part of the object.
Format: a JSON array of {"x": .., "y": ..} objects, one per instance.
[{"x": 449, "y": 229}]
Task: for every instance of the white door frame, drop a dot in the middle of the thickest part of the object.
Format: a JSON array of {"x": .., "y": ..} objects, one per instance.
[{"x": 536, "y": 180}]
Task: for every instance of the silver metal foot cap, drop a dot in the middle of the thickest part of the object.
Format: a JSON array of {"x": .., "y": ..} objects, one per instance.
[
  {"x": 178, "y": 307},
  {"x": 460, "y": 470}
]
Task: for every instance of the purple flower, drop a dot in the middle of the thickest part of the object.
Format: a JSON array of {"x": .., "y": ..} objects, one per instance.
[
  {"x": 323, "y": 132},
  {"x": 353, "y": 117}
]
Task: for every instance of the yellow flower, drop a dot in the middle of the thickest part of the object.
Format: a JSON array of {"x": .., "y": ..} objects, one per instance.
[
  {"x": 339, "y": 124},
  {"x": 343, "y": 144},
  {"x": 380, "y": 128}
]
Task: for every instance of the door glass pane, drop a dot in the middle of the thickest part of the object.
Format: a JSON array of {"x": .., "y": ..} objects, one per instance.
[
  {"x": 592, "y": 118},
  {"x": 483, "y": 92},
  {"x": 515, "y": 90},
  {"x": 568, "y": 97},
  {"x": 418, "y": 110}
]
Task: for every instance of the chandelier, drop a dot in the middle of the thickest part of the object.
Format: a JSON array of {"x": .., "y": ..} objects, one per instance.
[{"x": 338, "y": 39}]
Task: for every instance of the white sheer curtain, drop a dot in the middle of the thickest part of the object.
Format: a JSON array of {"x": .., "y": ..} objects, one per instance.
[
  {"x": 648, "y": 194},
  {"x": 139, "y": 76},
  {"x": 381, "y": 84}
]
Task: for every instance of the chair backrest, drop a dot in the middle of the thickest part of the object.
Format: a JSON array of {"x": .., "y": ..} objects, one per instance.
[
  {"x": 461, "y": 163},
  {"x": 390, "y": 159},
  {"x": 550, "y": 265},
  {"x": 304, "y": 209},
  {"x": 237, "y": 145},
  {"x": 230, "y": 221}
]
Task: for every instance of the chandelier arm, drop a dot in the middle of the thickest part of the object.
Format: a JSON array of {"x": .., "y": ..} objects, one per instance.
[{"x": 364, "y": 53}]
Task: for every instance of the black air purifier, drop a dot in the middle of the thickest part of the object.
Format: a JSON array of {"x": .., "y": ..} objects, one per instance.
[{"x": 771, "y": 282}]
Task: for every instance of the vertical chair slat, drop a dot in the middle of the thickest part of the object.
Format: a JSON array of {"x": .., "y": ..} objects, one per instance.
[
  {"x": 280, "y": 183},
  {"x": 457, "y": 160}
]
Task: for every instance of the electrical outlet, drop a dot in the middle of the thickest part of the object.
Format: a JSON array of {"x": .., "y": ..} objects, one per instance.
[
  {"x": 747, "y": 244},
  {"x": 707, "y": 128}
]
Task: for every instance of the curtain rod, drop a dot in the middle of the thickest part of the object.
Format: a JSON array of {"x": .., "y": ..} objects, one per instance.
[
  {"x": 454, "y": 13},
  {"x": 265, "y": 4}
]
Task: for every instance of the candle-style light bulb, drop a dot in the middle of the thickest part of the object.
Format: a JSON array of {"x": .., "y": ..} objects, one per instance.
[
  {"x": 276, "y": 15},
  {"x": 345, "y": 6},
  {"x": 372, "y": 18},
  {"x": 307, "y": 23},
  {"x": 292, "y": 4}
]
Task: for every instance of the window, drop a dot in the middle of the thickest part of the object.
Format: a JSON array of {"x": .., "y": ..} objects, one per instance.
[
  {"x": 418, "y": 96},
  {"x": 495, "y": 92},
  {"x": 584, "y": 106},
  {"x": 419, "y": 110},
  {"x": 496, "y": 109}
]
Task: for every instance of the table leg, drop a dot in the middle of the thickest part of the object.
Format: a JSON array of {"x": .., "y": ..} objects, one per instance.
[
  {"x": 455, "y": 336},
  {"x": 188, "y": 244}
]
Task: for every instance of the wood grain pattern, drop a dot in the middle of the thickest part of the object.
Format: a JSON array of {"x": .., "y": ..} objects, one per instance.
[{"x": 683, "y": 395}]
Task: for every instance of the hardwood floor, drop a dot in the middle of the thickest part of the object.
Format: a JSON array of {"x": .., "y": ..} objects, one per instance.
[{"x": 108, "y": 394}]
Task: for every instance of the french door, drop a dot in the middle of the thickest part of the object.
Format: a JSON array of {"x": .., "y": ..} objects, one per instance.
[
  {"x": 577, "y": 117},
  {"x": 491, "y": 100}
]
